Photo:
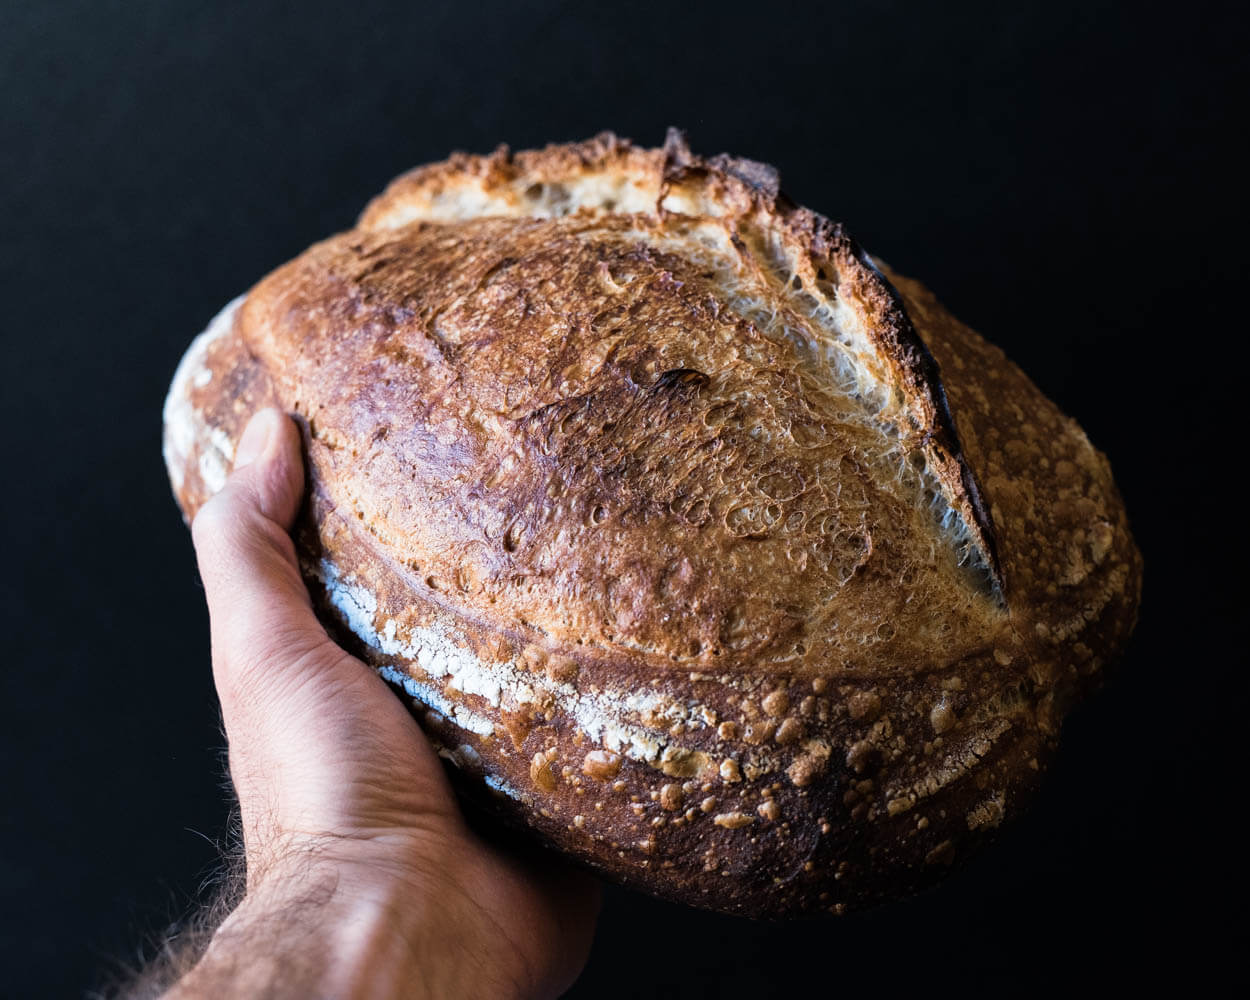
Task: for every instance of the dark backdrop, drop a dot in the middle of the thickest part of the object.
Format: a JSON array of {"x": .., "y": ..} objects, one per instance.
[{"x": 1062, "y": 175}]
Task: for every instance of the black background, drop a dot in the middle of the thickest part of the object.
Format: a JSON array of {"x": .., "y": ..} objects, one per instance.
[{"x": 1063, "y": 176}]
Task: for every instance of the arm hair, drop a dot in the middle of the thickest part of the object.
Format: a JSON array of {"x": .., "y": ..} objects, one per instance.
[{"x": 169, "y": 956}]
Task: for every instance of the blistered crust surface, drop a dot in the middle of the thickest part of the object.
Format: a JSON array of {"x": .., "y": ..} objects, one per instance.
[
  {"x": 642, "y": 484},
  {"x": 556, "y": 424}
]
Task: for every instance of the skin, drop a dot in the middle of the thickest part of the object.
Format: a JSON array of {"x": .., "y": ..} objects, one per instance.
[{"x": 363, "y": 879}]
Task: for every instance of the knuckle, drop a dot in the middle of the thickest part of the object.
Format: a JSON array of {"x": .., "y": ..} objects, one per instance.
[
  {"x": 272, "y": 667},
  {"x": 221, "y": 527},
  {"x": 210, "y": 521},
  {"x": 228, "y": 530}
]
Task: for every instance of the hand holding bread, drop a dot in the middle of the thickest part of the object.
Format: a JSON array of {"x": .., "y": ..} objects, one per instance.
[
  {"x": 704, "y": 547},
  {"x": 362, "y": 877}
]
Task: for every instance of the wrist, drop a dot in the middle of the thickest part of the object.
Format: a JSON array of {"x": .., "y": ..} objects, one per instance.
[
  {"x": 424, "y": 938},
  {"x": 349, "y": 930}
]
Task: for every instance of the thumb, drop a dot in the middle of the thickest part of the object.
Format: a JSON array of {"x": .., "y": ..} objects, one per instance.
[{"x": 261, "y": 620}]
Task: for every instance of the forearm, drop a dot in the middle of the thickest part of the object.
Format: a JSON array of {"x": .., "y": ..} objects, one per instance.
[{"x": 307, "y": 934}]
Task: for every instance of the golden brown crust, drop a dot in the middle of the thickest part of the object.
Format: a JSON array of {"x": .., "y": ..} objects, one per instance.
[{"x": 644, "y": 481}]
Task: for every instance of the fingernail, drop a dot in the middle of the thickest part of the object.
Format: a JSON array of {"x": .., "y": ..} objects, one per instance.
[{"x": 255, "y": 439}]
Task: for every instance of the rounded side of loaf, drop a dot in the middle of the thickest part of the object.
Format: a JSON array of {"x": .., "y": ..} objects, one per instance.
[{"x": 704, "y": 547}]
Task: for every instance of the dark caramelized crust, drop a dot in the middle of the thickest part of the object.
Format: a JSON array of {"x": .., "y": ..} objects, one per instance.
[{"x": 644, "y": 485}]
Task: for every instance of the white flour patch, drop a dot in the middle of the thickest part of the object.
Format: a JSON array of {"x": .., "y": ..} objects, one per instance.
[
  {"x": 601, "y": 716},
  {"x": 499, "y": 785},
  {"x": 213, "y": 470},
  {"x": 184, "y": 425},
  {"x": 429, "y": 695}
]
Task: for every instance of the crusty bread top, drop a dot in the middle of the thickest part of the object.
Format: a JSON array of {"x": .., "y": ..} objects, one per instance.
[
  {"x": 635, "y": 414},
  {"x": 698, "y": 437}
]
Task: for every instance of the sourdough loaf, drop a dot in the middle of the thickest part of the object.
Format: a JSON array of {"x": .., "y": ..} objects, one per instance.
[{"x": 707, "y": 549}]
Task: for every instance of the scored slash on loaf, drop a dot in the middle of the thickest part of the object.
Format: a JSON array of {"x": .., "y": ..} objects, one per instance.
[{"x": 708, "y": 550}]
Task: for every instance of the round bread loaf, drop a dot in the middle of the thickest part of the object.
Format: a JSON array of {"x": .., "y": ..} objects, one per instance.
[{"x": 708, "y": 550}]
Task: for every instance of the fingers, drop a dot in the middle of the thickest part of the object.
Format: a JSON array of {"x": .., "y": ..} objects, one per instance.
[{"x": 262, "y": 623}]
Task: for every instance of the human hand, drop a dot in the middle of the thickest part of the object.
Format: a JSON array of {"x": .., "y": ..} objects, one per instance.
[{"x": 362, "y": 876}]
